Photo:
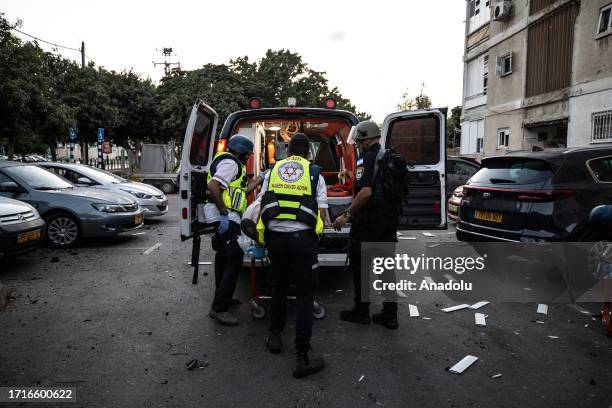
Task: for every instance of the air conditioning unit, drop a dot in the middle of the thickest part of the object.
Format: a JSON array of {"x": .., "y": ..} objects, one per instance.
[{"x": 503, "y": 10}]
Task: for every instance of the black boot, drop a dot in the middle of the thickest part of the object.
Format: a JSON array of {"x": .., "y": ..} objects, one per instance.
[
  {"x": 387, "y": 319},
  {"x": 358, "y": 314},
  {"x": 274, "y": 342},
  {"x": 304, "y": 365}
]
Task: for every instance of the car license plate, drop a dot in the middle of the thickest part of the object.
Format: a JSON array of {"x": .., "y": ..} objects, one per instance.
[
  {"x": 28, "y": 236},
  {"x": 489, "y": 216},
  {"x": 138, "y": 219},
  {"x": 453, "y": 208}
]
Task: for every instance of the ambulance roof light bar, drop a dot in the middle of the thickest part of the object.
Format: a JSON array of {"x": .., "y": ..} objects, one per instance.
[
  {"x": 255, "y": 103},
  {"x": 330, "y": 103}
]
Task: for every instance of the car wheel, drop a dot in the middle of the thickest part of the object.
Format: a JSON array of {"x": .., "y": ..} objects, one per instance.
[
  {"x": 62, "y": 231},
  {"x": 167, "y": 187}
]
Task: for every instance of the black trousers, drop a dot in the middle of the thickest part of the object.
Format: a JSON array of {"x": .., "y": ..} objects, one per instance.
[
  {"x": 293, "y": 258},
  {"x": 228, "y": 263},
  {"x": 369, "y": 227}
]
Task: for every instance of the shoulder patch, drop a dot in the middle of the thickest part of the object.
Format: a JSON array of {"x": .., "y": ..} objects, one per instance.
[{"x": 290, "y": 171}]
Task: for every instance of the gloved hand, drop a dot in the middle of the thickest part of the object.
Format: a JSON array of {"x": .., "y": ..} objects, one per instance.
[
  {"x": 223, "y": 223},
  {"x": 256, "y": 252}
]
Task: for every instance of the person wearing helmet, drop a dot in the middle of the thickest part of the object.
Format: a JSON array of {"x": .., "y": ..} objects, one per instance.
[
  {"x": 370, "y": 222},
  {"x": 227, "y": 200}
]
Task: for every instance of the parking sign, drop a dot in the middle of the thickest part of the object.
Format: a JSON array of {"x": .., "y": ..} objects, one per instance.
[{"x": 100, "y": 135}]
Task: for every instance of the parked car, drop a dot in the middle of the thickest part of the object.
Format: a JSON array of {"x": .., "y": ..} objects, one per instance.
[
  {"x": 70, "y": 213},
  {"x": 152, "y": 201},
  {"x": 21, "y": 228},
  {"x": 458, "y": 172},
  {"x": 454, "y": 202},
  {"x": 538, "y": 196}
]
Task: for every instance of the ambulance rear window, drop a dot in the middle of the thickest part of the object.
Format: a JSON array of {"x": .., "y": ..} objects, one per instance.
[{"x": 416, "y": 139}]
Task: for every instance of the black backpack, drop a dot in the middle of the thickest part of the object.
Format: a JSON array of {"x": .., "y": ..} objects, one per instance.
[{"x": 390, "y": 177}]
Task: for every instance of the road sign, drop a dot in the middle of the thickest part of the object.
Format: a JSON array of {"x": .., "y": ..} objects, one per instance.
[
  {"x": 72, "y": 134},
  {"x": 100, "y": 135}
]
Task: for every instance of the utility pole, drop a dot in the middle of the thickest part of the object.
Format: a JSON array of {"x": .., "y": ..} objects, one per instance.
[
  {"x": 167, "y": 54},
  {"x": 84, "y": 147},
  {"x": 83, "y": 54}
]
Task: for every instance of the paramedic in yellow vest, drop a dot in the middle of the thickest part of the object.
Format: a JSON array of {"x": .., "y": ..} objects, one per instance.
[
  {"x": 293, "y": 194},
  {"x": 228, "y": 190}
]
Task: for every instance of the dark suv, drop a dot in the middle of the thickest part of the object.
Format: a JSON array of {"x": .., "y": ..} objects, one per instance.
[{"x": 538, "y": 197}]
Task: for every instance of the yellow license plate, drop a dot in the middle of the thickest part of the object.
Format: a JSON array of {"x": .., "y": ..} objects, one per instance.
[
  {"x": 28, "y": 236},
  {"x": 453, "y": 208},
  {"x": 489, "y": 216},
  {"x": 138, "y": 218}
]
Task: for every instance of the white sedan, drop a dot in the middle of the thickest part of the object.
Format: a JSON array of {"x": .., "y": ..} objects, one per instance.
[{"x": 152, "y": 201}]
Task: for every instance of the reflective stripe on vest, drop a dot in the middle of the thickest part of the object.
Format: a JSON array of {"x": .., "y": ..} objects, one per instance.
[
  {"x": 289, "y": 195},
  {"x": 234, "y": 196}
]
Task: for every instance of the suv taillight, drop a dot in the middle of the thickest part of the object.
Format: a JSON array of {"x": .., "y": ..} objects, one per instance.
[{"x": 541, "y": 196}]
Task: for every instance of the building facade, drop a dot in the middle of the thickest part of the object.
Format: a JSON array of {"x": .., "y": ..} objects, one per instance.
[{"x": 548, "y": 79}]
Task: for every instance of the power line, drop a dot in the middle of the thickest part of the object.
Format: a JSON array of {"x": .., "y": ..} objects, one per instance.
[{"x": 48, "y": 42}]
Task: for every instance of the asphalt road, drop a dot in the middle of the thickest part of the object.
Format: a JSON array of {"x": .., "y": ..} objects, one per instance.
[{"x": 119, "y": 319}]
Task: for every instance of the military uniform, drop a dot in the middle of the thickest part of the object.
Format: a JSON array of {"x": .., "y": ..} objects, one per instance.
[{"x": 375, "y": 222}]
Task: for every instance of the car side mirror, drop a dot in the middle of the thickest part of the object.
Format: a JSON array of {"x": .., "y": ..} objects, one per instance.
[
  {"x": 9, "y": 187},
  {"x": 83, "y": 180}
]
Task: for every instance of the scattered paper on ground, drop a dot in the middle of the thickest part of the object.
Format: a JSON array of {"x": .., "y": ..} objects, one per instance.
[
  {"x": 428, "y": 234},
  {"x": 479, "y": 319},
  {"x": 361, "y": 378},
  {"x": 414, "y": 311},
  {"x": 542, "y": 309},
  {"x": 478, "y": 305},
  {"x": 496, "y": 376},
  {"x": 453, "y": 308},
  {"x": 463, "y": 365}
]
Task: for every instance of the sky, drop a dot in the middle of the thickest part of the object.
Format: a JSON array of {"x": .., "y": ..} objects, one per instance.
[{"x": 373, "y": 51}]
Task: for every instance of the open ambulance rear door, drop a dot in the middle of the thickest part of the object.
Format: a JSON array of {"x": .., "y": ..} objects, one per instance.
[
  {"x": 420, "y": 137},
  {"x": 198, "y": 150}
]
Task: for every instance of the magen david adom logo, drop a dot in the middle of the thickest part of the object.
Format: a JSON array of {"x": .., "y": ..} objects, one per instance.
[{"x": 290, "y": 171}]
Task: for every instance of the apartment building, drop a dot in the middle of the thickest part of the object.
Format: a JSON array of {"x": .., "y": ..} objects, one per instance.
[{"x": 538, "y": 75}]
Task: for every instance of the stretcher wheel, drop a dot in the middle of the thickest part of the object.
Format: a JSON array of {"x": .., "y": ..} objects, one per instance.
[
  {"x": 257, "y": 311},
  {"x": 319, "y": 311}
]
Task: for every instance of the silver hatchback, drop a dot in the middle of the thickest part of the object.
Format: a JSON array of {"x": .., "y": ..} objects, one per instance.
[{"x": 70, "y": 213}]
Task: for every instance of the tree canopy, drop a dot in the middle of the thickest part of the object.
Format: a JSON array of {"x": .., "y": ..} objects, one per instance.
[{"x": 43, "y": 95}]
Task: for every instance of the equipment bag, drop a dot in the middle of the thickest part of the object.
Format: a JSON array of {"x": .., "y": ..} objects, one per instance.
[{"x": 390, "y": 176}]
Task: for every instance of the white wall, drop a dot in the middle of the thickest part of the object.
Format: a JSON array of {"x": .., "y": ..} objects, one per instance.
[
  {"x": 471, "y": 131},
  {"x": 581, "y": 107}
]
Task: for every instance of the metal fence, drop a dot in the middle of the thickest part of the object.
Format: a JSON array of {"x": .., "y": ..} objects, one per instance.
[{"x": 117, "y": 163}]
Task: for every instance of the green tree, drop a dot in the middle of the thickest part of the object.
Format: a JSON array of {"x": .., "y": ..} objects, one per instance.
[
  {"x": 453, "y": 127},
  {"x": 420, "y": 101}
]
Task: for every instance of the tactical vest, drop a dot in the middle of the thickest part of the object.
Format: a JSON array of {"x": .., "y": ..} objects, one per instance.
[
  {"x": 234, "y": 196},
  {"x": 292, "y": 193}
]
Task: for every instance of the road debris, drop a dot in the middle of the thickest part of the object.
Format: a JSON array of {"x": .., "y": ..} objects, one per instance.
[
  {"x": 414, "y": 311},
  {"x": 463, "y": 365},
  {"x": 401, "y": 294},
  {"x": 426, "y": 318},
  {"x": 407, "y": 238},
  {"x": 428, "y": 234},
  {"x": 153, "y": 248},
  {"x": 454, "y": 308},
  {"x": 479, "y": 319},
  {"x": 542, "y": 309},
  {"x": 553, "y": 337},
  {"x": 478, "y": 305},
  {"x": 538, "y": 321},
  {"x": 195, "y": 363},
  {"x": 361, "y": 378},
  {"x": 496, "y": 376}
]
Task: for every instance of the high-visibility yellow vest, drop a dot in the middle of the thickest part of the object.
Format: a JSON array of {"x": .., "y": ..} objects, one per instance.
[
  {"x": 291, "y": 195},
  {"x": 234, "y": 196}
]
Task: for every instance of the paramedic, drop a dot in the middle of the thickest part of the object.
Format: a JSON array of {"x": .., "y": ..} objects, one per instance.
[
  {"x": 227, "y": 199},
  {"x": 293, "y": 195},
  {"x": 372, "y": 221}
]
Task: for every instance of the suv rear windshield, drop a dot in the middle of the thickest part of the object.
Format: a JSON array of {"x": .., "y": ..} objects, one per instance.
[{"x": 513, "y": 171}]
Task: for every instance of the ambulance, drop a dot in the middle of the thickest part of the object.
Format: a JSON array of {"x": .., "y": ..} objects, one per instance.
[{"x": 418, "y": 135}]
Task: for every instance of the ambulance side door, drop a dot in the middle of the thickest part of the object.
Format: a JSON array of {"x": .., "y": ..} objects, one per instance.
[
  {"x": 420, "y": 137},
  {"x": 197, "y": 154}
]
